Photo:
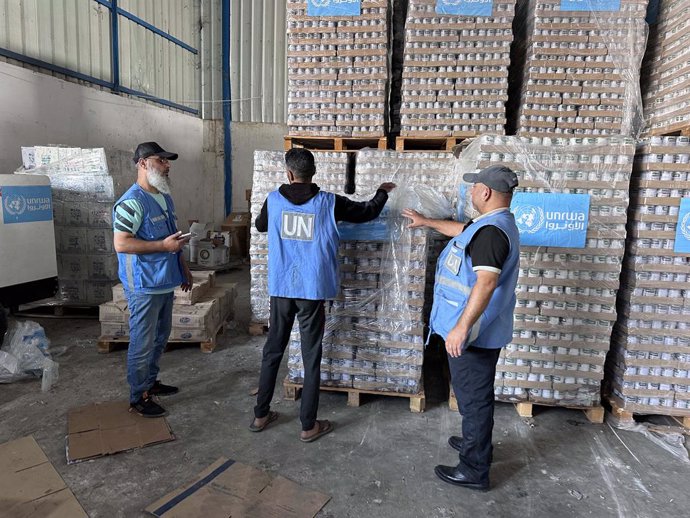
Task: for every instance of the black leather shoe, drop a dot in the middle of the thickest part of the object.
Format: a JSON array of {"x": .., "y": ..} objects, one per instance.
[
  {"x": 453, "y": 475},
  {"x": 159, "y": 389},
  {"x": 455, "y": 442}
]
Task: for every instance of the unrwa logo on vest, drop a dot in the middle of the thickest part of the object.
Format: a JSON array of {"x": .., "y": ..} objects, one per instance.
[
  {"x": 685, "y": 226},
  {"x": 297, "y": 225}
]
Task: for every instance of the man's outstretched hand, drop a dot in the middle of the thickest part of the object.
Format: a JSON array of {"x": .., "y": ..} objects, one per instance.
[
  {"x": 387, "y": 186},
  {"x": 417, "y": 219}
]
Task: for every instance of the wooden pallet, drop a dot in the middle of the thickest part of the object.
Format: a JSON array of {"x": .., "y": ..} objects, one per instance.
[
  {"x": 594, "y": 414},
  {"x": 108, "y": 344},
  {"x": 427, "y": 143},
  {"x": 524, "y": 408},
  {"x": 59, "y": 310},
  {"x": 258, "y": 328},
  {"x": 336, "y": 143},
  {"x": 682, "y": 417},
  {"x": 292, "y": 392}
]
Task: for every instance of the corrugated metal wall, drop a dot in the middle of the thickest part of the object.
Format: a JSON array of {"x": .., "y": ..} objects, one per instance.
[
  {"x": 73, "y": 34},
  {"x": 76, "y": 34},
  {"x": 258, "y": 64}
]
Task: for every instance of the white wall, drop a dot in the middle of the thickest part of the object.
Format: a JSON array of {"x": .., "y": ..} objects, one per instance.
[
  {"x": 246, "y": 138},
  {"x": 38, "y": 109}
]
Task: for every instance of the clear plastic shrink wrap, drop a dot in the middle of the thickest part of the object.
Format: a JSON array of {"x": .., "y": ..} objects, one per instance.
[
  {"x": 581, "y": 66},
  {"x": 666, "y": 70},
  {"x": 650, "y": 351},
  {"x": 566, "y": 297},
  {"x": 337, "y": 71},
  {"x": 83, "y": 195},
  {"x": 455, "y": 70}
]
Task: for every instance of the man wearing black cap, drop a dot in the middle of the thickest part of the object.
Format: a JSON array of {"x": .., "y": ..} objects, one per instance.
[
  {"x": 474, "y": 299},
  {"x": 151, "y": 266}
]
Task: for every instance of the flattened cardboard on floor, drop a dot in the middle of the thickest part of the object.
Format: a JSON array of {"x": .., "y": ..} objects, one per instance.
[
  {"x": 106, "y": 428},
  {"x": 229, "y": 488},
  {"x": 30, "y": 486}
]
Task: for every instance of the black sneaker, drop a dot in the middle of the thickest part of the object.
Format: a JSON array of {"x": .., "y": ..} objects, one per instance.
[
  {"x": 147, "y": 407},
  {"x": 159, "y": 389}
]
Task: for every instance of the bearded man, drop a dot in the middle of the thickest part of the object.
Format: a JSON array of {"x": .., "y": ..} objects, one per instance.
[{"x": 151, "y": 266}]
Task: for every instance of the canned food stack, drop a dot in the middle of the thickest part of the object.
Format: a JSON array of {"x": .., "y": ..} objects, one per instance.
[
  {"x": 269, "y": 175},
  {"x": 566, "y": 297},
  {"x": 455, "y": 71},
  {"x": 83, "y": 195},
  {"x": 582, "y": 69},
  {"x": 650, "y": 360},
  {"x": 668, "y": 71},
  {"x": 374, "y": 330},
  {"x": 337, "y": 71}
]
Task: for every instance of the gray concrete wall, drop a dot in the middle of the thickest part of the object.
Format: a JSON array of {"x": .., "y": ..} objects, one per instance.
[
  {"x": 38, "y": 109},
  {"x": 248, "y": 137}
]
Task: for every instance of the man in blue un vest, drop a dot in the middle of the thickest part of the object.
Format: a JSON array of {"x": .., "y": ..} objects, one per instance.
[
  {"x": 474, "y": 299},
  {"x": 151, "y": 266},
  {"x": 303, "y": 272}
]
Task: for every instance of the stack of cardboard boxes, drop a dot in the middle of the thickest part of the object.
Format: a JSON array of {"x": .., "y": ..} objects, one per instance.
[
  {"x": 83, "y": 196},
  {"x": 455, "y": 69},
  {"x": 582, "y": 67},
  {"x": 337, "y": 71},
  {"x": 650, "y": 360},
  {"x": 197, "y": 314}
]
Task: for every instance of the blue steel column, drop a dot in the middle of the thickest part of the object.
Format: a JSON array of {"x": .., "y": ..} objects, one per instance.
[
  {"x": 115, "y": 50},
  {"x": 227, "y": 108}
]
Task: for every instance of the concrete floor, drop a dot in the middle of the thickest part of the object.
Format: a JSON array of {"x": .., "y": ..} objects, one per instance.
[{"x": 378, "y": 462}]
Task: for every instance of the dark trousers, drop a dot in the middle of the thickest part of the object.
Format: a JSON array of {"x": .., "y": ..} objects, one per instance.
[
  {"x": 311, "y": 316},
  {"x": 472, "y": 376}
]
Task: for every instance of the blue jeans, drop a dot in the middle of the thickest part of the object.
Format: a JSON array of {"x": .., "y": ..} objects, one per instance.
[{"x": 150, "y": 321}]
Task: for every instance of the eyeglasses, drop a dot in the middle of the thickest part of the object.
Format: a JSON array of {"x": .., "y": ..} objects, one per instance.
[{"x": 158, "y": 159}]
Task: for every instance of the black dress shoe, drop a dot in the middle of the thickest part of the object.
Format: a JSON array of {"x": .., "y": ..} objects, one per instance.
[{"x": 453, "y": 475}]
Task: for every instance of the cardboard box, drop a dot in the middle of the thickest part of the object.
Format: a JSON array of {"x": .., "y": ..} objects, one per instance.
[
  {"x": 31, "y": 486},
  {"x": 229, "y": 488},
  {"x": 238, "y": 223},
  {"x": 210, "y": 256},
  {"x": 107, "y": 428},
  {"x": 113, "y": 312}
]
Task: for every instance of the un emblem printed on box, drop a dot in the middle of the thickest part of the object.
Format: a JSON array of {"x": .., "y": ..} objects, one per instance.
[{"x": 297, "y": 226}]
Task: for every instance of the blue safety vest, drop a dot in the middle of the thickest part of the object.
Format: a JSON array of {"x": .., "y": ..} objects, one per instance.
[
  {"x": 303, "y": 248},
  {"x": 146, "y": 273},
  {"x": 455, "y": 279}
]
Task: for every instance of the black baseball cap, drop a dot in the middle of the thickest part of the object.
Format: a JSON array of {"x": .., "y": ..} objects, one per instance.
[
  {"x": 147, "y": 149},
  {"x": 497, "y": 177}
]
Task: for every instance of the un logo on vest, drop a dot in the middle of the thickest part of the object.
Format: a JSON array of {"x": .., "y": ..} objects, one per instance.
[
  {"x": 685, "y": 226},
  {"x": 528, "y": 218},
  {"x": 297, "y": 225},
  {"x": 15, "y": 205}
]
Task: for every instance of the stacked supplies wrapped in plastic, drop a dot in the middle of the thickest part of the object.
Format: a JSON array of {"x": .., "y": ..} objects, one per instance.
[
  {"x": 337, "y": 68},
  {"x": 455, "y": 68},
  {"x": 650, "y": 351},
  {"x": 570, "y": 208},
  {"x": 581, "y": 66}
]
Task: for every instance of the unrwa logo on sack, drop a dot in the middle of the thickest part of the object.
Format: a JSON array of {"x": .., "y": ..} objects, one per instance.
[
  {"x": 320, "y": 3},
  {"x": 529, "y": 218},
  {"x": 297, "y": 225}
]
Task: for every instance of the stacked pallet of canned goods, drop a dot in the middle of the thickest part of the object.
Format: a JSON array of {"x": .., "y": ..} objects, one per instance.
[
  {"x": 566, "y": 297},
  {"x": 667, "y": 71},
  {"x": 455, "y": 69},
  {"x": 582, "y": 67},
  {"x": 650, "y": 361},
  {"x": 337, "y": 71}
]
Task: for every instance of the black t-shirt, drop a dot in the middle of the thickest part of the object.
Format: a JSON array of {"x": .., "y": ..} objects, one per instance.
[{"x": 489, "y": 248}]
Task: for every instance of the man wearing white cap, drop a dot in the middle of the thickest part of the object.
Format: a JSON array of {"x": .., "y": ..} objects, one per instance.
[{"x": 474, "y": 299}]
